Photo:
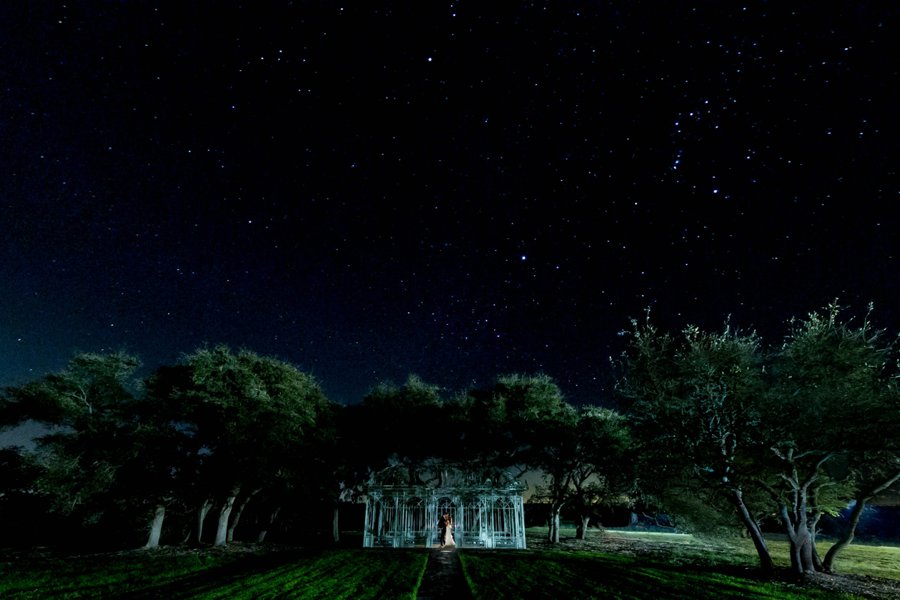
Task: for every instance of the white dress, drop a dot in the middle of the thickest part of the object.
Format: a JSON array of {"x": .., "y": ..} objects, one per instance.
[{"x": 449, "y": 541}]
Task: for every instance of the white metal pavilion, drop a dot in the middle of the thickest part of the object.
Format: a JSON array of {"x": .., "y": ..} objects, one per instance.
[{"x": 484, "y": 516}]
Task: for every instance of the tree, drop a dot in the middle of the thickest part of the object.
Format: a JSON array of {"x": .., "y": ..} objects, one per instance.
[
  {"x": 832, "y": 419},
  {"x": 557, "y": 458},
  {"x": 694, "y": 402},
  {"x": 504, "y": 425},
  {"x": 247, "y": 412},
  {"x": 583, "y": 456},
  {"x": 532, "y": 420},
  {"x": 20, "y": 502},
  {"x": 805, "y": 425},
  {"x": 400, "y": 425},
  {"x": 167, "y": 451},
  {"x": 603, "y": 473},
  {"x": 88, "y": 409},
  {"x": 873, "y": 474}
]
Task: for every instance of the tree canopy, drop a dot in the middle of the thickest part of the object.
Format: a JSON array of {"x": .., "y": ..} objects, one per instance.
[
  {"x": 715, "y": 427},
  {"x": 787, "y": 433}
]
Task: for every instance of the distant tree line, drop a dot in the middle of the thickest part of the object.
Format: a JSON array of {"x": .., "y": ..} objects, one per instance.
[
  {"x": 715, "y": 428},
  {"x": 229, "y": 444}
]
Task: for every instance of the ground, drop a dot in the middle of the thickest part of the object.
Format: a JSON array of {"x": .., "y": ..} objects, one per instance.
[
  {"x": 443, "y": 577},
  {"x": 445, "y": 580},
  {"x": 868, "y": 587}
]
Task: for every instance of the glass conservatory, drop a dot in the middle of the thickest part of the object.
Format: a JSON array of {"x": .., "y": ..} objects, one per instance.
[{"x": 484, "y": 516}]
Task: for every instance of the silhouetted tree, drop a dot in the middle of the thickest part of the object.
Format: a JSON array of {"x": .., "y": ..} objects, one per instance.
[
  {"x": 695, "y": 404},
  {"x": 401, "y": 428},
  {"x": 835, "y": 403},
  {"x": 248, "y": 412},
  {"x": 605, "y": 473},
  {"x": 88, "y": 410}
]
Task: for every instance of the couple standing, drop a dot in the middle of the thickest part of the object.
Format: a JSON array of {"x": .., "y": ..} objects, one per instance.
[{"x": 445, "y": 524}]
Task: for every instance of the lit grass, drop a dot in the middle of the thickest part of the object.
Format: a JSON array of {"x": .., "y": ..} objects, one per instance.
[
  {"x": 653, "y": 565},
  {"x": 357, "y": 574},
  {"x": 856, "y": 559}
]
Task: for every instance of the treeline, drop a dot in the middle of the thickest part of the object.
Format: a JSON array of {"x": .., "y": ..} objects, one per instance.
[
  {"x": 716, "y": 428},
  {"x": 232, "y": 445}
]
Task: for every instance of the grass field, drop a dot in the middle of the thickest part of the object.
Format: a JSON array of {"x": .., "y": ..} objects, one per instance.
[
  {"x": 356, "y": 574},
  {"x": 586, "y": 575},
  {"x": 629, "y": 564},
  {"x": 861, "y": 559},
  {"x": 616, "y": 564}
]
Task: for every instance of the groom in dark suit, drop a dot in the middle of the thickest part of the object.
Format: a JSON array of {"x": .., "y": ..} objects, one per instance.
[{"x": 442, "y": 525}]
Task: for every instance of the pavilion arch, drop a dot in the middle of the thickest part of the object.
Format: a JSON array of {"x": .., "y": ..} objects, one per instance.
[{"x": 484, "y": 516}]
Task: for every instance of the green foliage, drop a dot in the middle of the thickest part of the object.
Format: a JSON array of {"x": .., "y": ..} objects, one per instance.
[
  {"x": 699, "y": 509},
  {"x": 414, "y": 394},
  {"x": 513, "y": 424},
  {"x": 530, "y": 399},
  {"x": 831, "y": 371},
  {"x": 242, "y": 396},
  {"x": 399, "y": 426},
  {"x": 694, "y": 401},
  {"x": 87, "y": 395},
  {"x": 216, "y": 422},
  {"x": 88, "y": 406},
  {"x": 800, "y": 426},
  {"x": 249, "y": 412},
  {"x": 586, "y": 460}
]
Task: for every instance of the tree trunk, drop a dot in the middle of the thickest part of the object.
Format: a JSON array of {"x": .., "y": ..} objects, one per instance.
[
  {"x": 849, "y": 534},
  {"x": 156, "y": 525},
  {"x": 853, "y": 521},
  {"x": 806, "y": 555},
  {"x": 798, "y": 533},
  {"x": 813, "y": 534},
  {"x": 753, "y": 530},
  {"x": 224, "y": 513},
  {"x": 553, "y": 530},
  {"x": 581, "y": 531},
  {"x": 335, "y": 525},
  {"x": 201, "y": 519},
  {"x": 265, "y": 530},
  {"x": 239, "y": 512}
]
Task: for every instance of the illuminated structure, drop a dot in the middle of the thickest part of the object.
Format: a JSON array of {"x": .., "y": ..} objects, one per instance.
[{"x": 484, "y": 516}]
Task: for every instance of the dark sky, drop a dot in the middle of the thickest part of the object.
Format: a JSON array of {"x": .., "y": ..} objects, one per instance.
[{"x": 455, "y": 189}]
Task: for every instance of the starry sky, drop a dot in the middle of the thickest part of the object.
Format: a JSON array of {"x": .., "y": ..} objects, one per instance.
[{"x": 453, "y": 189}]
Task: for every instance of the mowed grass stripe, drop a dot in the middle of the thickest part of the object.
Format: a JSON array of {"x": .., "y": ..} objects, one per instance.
[
  {"x": 355, "y": 574},
  {"x": 374, "y": 574},
  {"x": 240, "y": 585},
  {"x": 97, "y": 576},
  {"x": 689, "y": 568}
]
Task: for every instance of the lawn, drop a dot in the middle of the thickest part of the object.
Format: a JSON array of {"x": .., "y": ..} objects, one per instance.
[
  {"x": 585, "y": 575},
  {"x": 629, "y": 564},
  {"x": 616, "y": 564},
  {"x": 344, "y": 573},
  {"x": 862, "y": 559}
]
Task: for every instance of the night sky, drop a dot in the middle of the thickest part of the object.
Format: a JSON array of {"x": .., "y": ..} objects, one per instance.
[{"x": 453, "y": 189}]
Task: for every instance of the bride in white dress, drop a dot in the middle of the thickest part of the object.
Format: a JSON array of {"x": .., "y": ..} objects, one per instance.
[{"x": 448, "y": 531}]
